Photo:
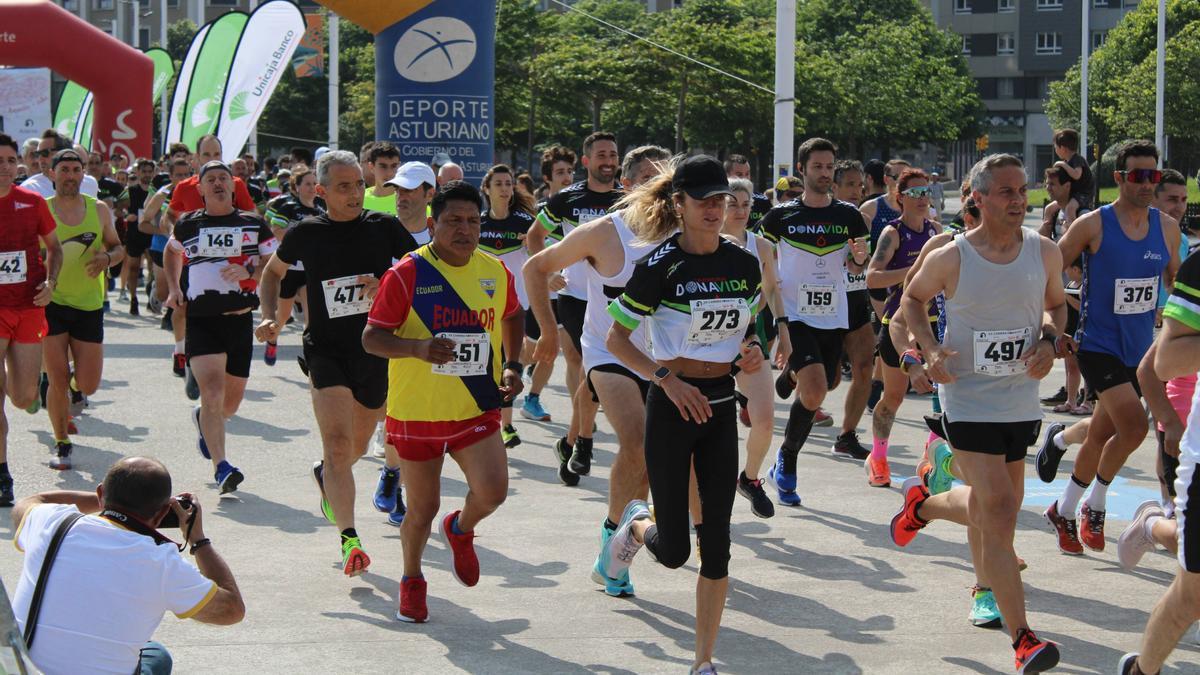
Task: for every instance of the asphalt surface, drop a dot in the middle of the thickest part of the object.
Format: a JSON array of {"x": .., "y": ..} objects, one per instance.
[{"x": 816, "y": 589}]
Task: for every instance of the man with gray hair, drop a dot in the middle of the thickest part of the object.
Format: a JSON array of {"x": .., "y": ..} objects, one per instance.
[
  {"x": 449, "y": 172},
  {"x": 344, "y": 252}
]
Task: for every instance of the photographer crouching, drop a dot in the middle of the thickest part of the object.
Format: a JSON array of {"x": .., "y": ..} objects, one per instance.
[{"x": 112, "y": 574}]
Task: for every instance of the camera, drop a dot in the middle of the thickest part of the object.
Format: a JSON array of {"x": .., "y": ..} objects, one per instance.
[{"x": 171, "y": 521}]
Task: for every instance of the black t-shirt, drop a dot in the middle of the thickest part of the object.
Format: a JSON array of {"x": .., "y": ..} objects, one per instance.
[
  {"x": 137, "y": 196},
  {"x": 759, "y": 205},
  {"x": 160, "y": 179},
  {"x": 108, "y": 190},
  {"x": 334, "y": 253},
  {"x": 1082, "y": 190},
  {"x": 210, "y": 243}
]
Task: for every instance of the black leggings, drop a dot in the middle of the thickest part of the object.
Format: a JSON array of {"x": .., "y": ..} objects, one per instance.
[
  {"x": 1169, "y": 464},
  {"x": 672, "y": 444}
]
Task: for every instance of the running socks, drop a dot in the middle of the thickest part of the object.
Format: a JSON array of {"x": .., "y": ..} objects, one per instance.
[
  {"x": 348, "y": 534},
  {"x": 799, "y": 424},
  {"x": 4, "y": 469},
  {"x": 1068, "y": 504},
  {"x": 1060, "y": 441},
  {"x": 179, "y": 346},
  {"x": 1099, "y": 495},
  {"x": 454, "y": 527},
  {"x": 879, "y": 448}
]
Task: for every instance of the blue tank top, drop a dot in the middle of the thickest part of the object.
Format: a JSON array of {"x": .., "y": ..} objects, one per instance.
[
  {"x": 1120, "y": 285},
  {"x": 884, "y": 215}
]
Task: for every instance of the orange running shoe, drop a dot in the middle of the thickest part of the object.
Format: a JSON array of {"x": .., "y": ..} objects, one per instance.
[
  {"x": 1034, "y": 655},
  {"x": 878, "y": 474},
  {"x": 907, "y": 523}
]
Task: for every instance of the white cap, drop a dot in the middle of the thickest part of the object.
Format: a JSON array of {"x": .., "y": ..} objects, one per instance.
[
  {"x": 320, "y": 151},
  {"x": 410, "y": 175}
]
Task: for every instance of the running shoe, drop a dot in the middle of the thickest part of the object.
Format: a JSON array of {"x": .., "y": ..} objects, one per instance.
[
  {"x": 1034, "y": 655},
  {"x": 354, "y": 559},
  {"x": 1092, "y": 535},
  {"x": 510, "y": 437},
  {"x": 1134, "y": 542},
  {"x": 386, "y": 490},
  {"x": 124, "y": 295},
  {"x": 412, "y": 601},
  {"x": 878, "y": 472},
  {"x": 165, "y": 324},
  {"x": 134, "y": 310},
  {"x": 563, "y": 452},
  {"x": 706, "y": 668},
  {"x": 848, "y": 445},
  {"x": 179, "y": 365},
  {"x": 271, "y": 353},
  {"x": 1125, "y": 665},
  {"x": 822, "y": 418},
  {"x": 783, "y": 483},
  {"x": 466, "y": 565},
  {"x": 78, "y": 400},
  {"x": 396, "y": 517},
  {"x": 154, "y": 305},
  {"x": 318, "y": 474},
  {"x": 760, "y": 503},
  {"x": 785, "y": 384},
  {"x": 924, "y": 469},
  {"x": 6, "y": 490},
  {"x": 622, "y": 545},
  {"x": 379, "y": 441},
  {"x": 191, "y": 387},
  {"x": 1049, "y": 455},
  {"x": 1059, "y": 397},
  {"x": 200, "y": 444},
  {"x": 906, "y": 523},
  {"x": 940, "y": 478},
  {"x": 876, "y": 394},
  {"x": 228, "y": 477},
  {"x": 1067, "y": 530},
  {"x": 34, "y": 406},
  {"x": 581, "y": 459},
  {"x": 61, "y": 460},
  {"x": 71, "y": 428},
  {"x": 532, "y": 409},
  {"x": 984, "y": 612},
  {"x": 619, "y": 586}
]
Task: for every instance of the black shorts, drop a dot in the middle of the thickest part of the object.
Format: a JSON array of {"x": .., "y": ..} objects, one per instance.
[
  {"x": 1104, "y": 371},
  {"x": 1187, "y": 513},
  {"x": 156, "y": 257},
  {"x": 1011, "y": 439},
  {"x": 570, "y": 316},
  {"x": 228, "y": 334},
  {"x": 136, "y": 242},
  {"x": 880, "y": 294},
  {"x": 532, "y": 330},
  {"x": 616, "y": 369},
  {"x": 816, "y": 345},
  {"x": 858, "y": 309},
  {"x": 767, "y": 328},
  {"x": 79, "y": 324},
  {"x": 886, "y": 349},
  {"x": 366, "y": 376},
  {"x": 1072, "y": 321},
  {"x": 292, "y": 281}
]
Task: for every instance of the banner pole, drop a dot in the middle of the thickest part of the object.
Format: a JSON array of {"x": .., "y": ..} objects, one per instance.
[
  {"x": 166, "y": 99},
  {"x": 333, "y": 80}
]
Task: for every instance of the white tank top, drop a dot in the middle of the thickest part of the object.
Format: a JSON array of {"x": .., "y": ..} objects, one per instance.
[{"x": 602, "y": 290}]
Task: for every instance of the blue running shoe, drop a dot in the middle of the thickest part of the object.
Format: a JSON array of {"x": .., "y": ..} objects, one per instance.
[
  {"x": 396, "y": 517},
  {"x": 387, "y": 489},
  {"x": 940, "y": 478},
  {"x": 619, "y": 587},
  {"x": 784, "y": 484},
  {"x": 200, "y": 434},
  {"x": 228, "y": 477},
  {"x": 533, "y": 410},
  {"x": 984, "y": 612}
]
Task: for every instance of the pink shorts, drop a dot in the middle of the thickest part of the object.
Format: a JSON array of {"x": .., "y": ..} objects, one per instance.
[{"x": 1179, "y": 393}]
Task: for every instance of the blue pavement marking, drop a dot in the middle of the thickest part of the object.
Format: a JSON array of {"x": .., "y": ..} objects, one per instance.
[{"x": 1123, "y": 497}]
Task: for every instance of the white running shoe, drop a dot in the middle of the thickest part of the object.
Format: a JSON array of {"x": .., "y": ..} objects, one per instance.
[
  {"x": 378, "y": 440},
  {"x": 1134, "y": 543}
]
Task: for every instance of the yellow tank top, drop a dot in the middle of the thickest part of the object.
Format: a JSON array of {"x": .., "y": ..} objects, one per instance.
[
  {"x": 381, "y": 204},
  {"x": 79, "y": 243}
]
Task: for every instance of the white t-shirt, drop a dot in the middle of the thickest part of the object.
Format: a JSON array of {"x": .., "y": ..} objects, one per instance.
[
  {"x": 106, "y": 594},
  {"x": 41, "y": 184}
]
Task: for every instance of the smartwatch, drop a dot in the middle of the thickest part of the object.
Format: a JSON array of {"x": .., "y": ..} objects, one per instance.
[{"x": 661, "y": 374}]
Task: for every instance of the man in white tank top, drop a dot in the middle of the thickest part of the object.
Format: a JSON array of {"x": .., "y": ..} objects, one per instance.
[{"x": 996, "y": 348}]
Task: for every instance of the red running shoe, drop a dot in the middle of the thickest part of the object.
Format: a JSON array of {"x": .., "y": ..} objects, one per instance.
[
  {"x": 1093, "y": 528},
  {"x": 179, "y": 365},
  {"x": 1068, "y": 531},
  {"x": 466, "y": 565},
  {"x": 412, "y": 601},
  {"x": 1033, "y": 654},
  {"x": 906, "y": 523}
]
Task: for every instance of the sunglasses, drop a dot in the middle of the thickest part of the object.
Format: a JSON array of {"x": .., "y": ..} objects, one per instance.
[
  {"x": 1152, "y": 176},
  {"x": 42, "y": 153},
  {"x": 917, "y": 192}
]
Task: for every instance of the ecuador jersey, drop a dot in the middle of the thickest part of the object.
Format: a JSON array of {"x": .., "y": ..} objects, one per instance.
[{"x": 422, "y": 297}]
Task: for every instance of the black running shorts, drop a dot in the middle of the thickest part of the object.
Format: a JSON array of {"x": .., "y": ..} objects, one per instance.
[
  {"x": 616, "y": 369},
  {"x": 1105, "y": 371},
  {"x": 366, "y": 376},
  {"x": 570, "y": 316},
  {"x": 816, "y": 345},
  {"x": 1011, "y": 439},
  {"x": 858, "y": 307},
  {"x": 1187, "y": 499},
  {"x": 228, "y": 334},
  {"x": 79, "y": 324}
]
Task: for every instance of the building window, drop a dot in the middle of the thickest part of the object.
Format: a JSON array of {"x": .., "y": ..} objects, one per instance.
[
  {"x": 1049, "y": 44},
  {"x": 102, "y": 4},
  {"x": 1006, "y": 43},
  {"x": 172, "y": 3},
  {"x": 143, "y": 38},
  {"x": 1004, "y": 87},
  {"x": 71, "y": 5},
  {"x": 1100, "y": 3},
  {"x": 1049, "y": 5},
  {"x": 962, "y": 6},
  {"x": 966, "y": 47},
  {"x": 1099, "y": 37},
  {"x": 230, "y": 3},
  {"x": 1006, "y": 6}
]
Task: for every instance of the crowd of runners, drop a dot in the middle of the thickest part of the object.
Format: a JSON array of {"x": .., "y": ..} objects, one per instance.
[{"x": 681, "y": 300}]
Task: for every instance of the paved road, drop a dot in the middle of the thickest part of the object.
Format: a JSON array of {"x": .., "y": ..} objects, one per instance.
[{"x": 817, "y": 589}]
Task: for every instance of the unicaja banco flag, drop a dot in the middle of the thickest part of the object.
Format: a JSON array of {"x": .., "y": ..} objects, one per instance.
[{"x": 434, "y": 77}]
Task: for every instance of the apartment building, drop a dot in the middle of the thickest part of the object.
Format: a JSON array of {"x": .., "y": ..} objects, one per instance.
[{"x": 139, "y": 22}]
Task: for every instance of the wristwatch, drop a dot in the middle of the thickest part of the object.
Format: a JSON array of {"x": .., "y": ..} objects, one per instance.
[
  {"x": 199, "y": 545},
  {"x": 661, "y": 374}
]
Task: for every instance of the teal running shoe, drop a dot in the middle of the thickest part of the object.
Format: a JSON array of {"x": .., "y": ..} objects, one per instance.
[
  {"x": 621, "y": 586},
  {"x": 984, "y": 612},
  {"x": 940, "y": 479}
]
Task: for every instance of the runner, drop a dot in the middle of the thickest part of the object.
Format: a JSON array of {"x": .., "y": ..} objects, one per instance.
[
  {"x": 26, "y": 286},
  {"x": 859, "y": 343},
  {"x": 283, "y": 212},
  {"x": 343, "y": 254},
  {"x": 1077, "y": 171},
  {"x": 566, "y": 210},
  {"x": 879, "y": 211},
  {"x": 134, "y": 199},
  {"x": 558, "y": 170},
  {"x": 819, "y": 240},
  {"x": 154, "y": 222},
  {"x": 1116, "y": 328},
  {"x": 697, "y": 328},
  {"x": 1177, "y": 356},
  {"x": 449, "y": 172},
  {"x": 220, "y": 249},
  {"x": 382, "y": 162},
  {"x": 738, "y": 167},
  {"x": 435, "y": 319},
  {"x": 42, "y": 182},
  {"x": 1058, "y": 186},
  {"x": 899, "y": 245},
  {"x": 73, "y": 349},
  {"x": 611, "y": 249},
  {"x": 989, "y": 368},
  {"x": 502, "y": 231},
  {"x": 756, "y": 387}
]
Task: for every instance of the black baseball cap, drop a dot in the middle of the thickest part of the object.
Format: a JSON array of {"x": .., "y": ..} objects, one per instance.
[
  {"x": 701, "y": 177},
  {"x": 66, "y": 155},
  {"x": 214, "y": 165}
]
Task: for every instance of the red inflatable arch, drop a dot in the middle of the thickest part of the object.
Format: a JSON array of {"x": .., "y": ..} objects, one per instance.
[{"x": 121, "y": 78}]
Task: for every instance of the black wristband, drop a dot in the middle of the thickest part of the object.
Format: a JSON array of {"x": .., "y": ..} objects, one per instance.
[
  {"x": 514, "y": 366},
  {"x": 780, "y": 319},
  {"x": 199, "y": 545}
]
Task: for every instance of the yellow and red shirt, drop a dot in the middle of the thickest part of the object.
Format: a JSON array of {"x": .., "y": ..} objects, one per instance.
[{"x": 422, "y": 297}]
